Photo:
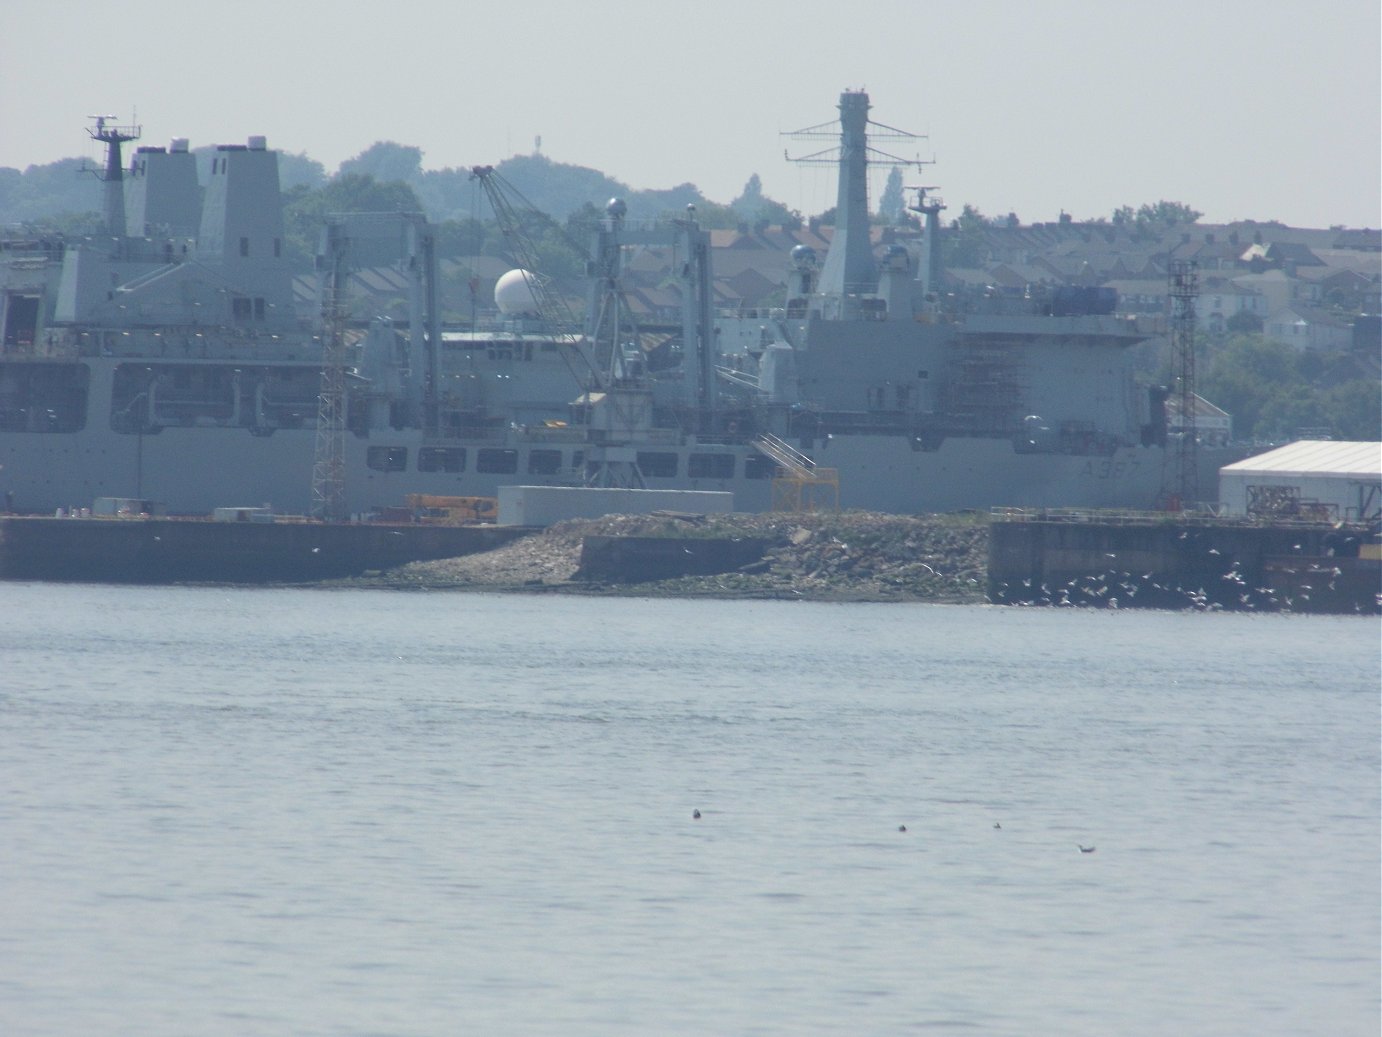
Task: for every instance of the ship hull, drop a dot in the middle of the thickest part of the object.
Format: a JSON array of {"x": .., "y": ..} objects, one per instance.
[{"x": 193, "y": 470}]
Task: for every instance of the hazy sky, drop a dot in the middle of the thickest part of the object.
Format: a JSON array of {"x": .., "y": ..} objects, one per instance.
[{"x": 1263, "y": 109}]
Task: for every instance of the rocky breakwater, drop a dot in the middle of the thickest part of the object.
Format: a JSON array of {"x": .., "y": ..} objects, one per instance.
[{"x": 846, "y": 556}]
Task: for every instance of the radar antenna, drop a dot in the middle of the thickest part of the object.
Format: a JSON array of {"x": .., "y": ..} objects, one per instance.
[{"x": 929, "y": 207}]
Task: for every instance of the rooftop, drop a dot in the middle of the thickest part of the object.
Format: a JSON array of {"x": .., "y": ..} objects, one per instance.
[{"x": 1313, "y": 457}]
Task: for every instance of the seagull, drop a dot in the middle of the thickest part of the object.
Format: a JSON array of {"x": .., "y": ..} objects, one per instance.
[
  {"x": 997, "y": 825},
  {"x": 902, "y": 828},
  {"x": 696, "y": 815},
  {"x": 1085, "y": 849}
]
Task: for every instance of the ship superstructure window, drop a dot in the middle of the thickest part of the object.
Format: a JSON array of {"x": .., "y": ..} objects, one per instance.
[
  {"x": 43, "y": 397},
  {"x": 710, "y": 466},
  {"x": 21, "y": 319},
  {"x": 495, "y": 461},
  {"x": 244, "y": 246},
  {"x": 240, "y": 308},
  {"x": 544, "y": 462},
  {"x": 759, "y": 467},
  {"x": 441, "y": 459},
  {"x": 387, "y": 458},
  {"x": 657, "y": 464}
]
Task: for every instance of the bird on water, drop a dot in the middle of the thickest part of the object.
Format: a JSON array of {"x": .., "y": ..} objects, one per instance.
[
  {"x": 1085, "y": 849},
  {"x": 696, "y": 815}
]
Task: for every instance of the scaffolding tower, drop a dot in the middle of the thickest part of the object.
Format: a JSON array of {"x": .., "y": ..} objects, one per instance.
[
  {"x": 1184, "y": 485},
  {"x": 986, "y": 388},
  {"x": 328, "y": 468}
]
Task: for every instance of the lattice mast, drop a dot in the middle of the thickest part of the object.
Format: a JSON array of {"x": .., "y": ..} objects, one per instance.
[
  {"x": 328, "y": 468},
  {"x": 1184, "y": 290}
]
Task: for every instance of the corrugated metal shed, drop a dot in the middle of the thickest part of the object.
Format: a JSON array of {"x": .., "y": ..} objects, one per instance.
[
  {"x": 1313, "y": 479},
  {"x": 1316, "y": 457}
]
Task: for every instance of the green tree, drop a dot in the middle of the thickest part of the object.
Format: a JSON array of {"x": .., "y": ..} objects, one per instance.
[
  {"x": 386, "y": 161},
  {"x": 306, "y": 209},
  {"x": 299, "y": 171},
  {"x": 754, "y": 207},
  {"x": 464, "y": 237},
  {"x": 1152, "y": 217},
  {"x": 1272, "y": 391},
  {"x": 750, "y": 199},
  {"x": 41, "y": 194},
  {"x": 891, "y": 206},
  {"x": 966, "y": 242}
]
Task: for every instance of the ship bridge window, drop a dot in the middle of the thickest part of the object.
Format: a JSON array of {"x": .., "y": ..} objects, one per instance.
[
  {"x": 544, "y": 462},
  {"x": 441, "y": 459},
  {"x": 657, "y": 465},
  {"x": 495, "y": 461},
  {"x": 241, "y": 308},
  {"x": 759, "y": 467},
  {"x": 244, "y": 246},
  {"x": 387, "y": 458},
  {"x": 710, "y": 466}
]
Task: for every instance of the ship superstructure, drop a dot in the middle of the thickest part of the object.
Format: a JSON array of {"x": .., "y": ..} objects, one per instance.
[{"x": 166, "y": 361}]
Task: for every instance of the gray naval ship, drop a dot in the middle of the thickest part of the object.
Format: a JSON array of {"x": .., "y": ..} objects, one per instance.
[{"x": 163, "y": 360}]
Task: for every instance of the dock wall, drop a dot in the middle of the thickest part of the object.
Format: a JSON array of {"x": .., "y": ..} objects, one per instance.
[
  {"x": 638, "y": 559},
  {"x": 1175, "y": 563},
  {"x": 181, "y": 550}
]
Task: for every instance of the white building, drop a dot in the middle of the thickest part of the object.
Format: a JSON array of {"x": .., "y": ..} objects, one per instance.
[{"x": 1314, "y": 479}]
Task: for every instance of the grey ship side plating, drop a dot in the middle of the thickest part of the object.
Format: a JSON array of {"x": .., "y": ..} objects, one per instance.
[{"x": 169, "y": 365}]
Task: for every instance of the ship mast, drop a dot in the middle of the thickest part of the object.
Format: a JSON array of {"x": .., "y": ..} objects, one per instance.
[
  {"x": 112, "y": 137},
  {"x": 849, "y": 268}
]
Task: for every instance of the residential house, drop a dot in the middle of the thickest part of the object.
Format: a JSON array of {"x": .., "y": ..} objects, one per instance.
[
  {"x": 1222, "y": 299},
  {"x": 1276, "y": 288},
  {"x": 1308, "y": 329}
]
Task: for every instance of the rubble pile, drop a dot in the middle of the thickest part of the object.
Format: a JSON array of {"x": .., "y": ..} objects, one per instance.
[{"x": 845, "y": 556}]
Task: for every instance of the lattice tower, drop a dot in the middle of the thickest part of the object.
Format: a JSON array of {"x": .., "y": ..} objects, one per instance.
[{"x": 1184, "y": 290}]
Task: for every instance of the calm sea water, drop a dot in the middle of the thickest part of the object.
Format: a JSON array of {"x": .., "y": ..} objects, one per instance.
[{"x": 348, "y": 813}]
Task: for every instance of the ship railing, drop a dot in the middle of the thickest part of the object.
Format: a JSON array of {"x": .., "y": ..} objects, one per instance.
[
  {"x": 552, "y": 433},
  {"x": 1208, "y": 513},
  {"x": 786, "y": 455}
]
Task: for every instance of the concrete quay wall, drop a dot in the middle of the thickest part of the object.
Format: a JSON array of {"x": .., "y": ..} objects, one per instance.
[
  {"x": 639, "y": 559},
  {"x": 1177, "y": 564},
  {"x": 182, "y": 550}
]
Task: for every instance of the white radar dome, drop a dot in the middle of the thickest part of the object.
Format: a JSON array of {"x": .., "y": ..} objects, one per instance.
[{"x": 514, "y": 293}]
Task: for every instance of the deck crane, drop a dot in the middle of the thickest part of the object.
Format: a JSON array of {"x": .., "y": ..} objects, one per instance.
[{"x": 551, "y": 308}]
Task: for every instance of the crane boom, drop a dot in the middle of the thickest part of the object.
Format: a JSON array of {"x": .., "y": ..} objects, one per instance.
[{"x": 552, "y": 308}]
